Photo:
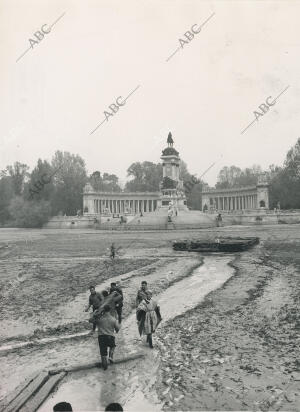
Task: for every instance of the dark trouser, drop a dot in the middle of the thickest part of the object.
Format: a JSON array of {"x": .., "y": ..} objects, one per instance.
[
  {"x": 94, "y": 323},
  {"x": 119, "y": 312},
  {"x": 106, "y": 341},
  {"x": 149, "y": 340}
]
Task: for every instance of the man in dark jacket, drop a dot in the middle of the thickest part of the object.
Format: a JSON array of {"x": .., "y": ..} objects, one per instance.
[
  {"x": 107, "y": 326},
  {"x": 95, "y": 300}
]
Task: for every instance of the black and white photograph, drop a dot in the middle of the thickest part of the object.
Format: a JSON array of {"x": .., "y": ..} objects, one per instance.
[{"x": 149, "y": 205}]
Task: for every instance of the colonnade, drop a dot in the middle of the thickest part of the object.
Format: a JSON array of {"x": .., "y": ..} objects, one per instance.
[
  {"x": 123, "y": 206},
  {"x": 234, "y": 202}
]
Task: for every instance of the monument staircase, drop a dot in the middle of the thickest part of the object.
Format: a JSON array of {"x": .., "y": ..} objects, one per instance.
[
  {"x": 157, "y": 219},
  {"x": 188, "y": 219}
]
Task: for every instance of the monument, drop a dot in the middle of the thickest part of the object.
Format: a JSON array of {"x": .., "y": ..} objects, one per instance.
[{"x": 170, "y": 193}]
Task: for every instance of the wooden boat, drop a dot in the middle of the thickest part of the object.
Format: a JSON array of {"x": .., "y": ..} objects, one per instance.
[{"x": 219, "y": 244}]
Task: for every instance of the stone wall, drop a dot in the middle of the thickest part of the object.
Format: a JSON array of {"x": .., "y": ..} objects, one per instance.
[{"x": 258, "y": 217}]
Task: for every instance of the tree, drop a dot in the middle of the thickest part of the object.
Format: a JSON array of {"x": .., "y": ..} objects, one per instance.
[
  {"x": 233, "y": 176},
  {"x": 69, "y": 181},
  {"x": 40, "y": 184},
  {"x": 285, "y": 182},
  {"x": 6, "y": 195},
  {"x": 18, "y": 172},
  {"x": 110, "y": 183},
  {"x": 194, "y": 198},
  {"x": 29, "y": 214},
  {"x": 146, "y": 177},
  {"x": 292, "y": 161},
  {"x": 106, "y": 183},
  {"x": 228, "y": 176}
]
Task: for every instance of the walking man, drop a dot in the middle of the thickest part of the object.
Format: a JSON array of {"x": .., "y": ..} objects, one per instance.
[
  {"x": 112, "y": 251},
  {"x": 219, "y": 220},
  {"x": 148, "y": 317},
  {"x": 118, "y": 305},
  {"x": 95, "y": 300},
  {"x": 107, "y": 326},
  {"x": 142, "y": 293}
]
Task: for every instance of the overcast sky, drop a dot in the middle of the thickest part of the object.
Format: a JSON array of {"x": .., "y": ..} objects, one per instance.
[{"x": 206, "y": 94}]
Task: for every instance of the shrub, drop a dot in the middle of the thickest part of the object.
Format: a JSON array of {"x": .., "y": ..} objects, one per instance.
[{"x": 29, "y": 213}]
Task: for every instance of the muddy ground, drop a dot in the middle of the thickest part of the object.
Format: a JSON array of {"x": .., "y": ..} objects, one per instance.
[{"x": 237, "y": 350}]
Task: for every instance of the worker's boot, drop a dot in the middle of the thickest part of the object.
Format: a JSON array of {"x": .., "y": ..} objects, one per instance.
[
  {"x": 104, "y": 362},
  {"x": 111, "y": 355}
]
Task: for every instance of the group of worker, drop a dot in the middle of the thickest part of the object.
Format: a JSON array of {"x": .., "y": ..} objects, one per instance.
[{"x": 107, "y": 317}]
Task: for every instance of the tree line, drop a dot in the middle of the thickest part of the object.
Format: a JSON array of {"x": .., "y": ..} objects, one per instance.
[{"x": 29, "y": 199}]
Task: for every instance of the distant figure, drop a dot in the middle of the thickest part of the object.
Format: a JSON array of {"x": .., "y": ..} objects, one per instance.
[
  {"x": 148, "y": 317},
  {"x": 62, "y": 407},
  {"x": 141, "y": 214},
  {"x": 95, "y": 300},
  {"x": 112, "y": 251},
  {"x": 114, "y": 407},
  {"x": 142, "y": 293},
  {"x": 219, "y": 220},
  {"x": 107, "y": 326},
  {"x": 176, "y": 213},
  {"x": 119, "y": 305}
]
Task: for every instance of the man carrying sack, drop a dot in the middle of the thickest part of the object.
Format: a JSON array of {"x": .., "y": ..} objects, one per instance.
[{"x": 107, "y": 325}]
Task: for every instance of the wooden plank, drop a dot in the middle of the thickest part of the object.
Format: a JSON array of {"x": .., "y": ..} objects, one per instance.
[
  {"x": 35, "y": 401},
  {"x": 30, "y": 390},
  {"x": 77, "y": 368},
  {"x": 12, "y": 395}
]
